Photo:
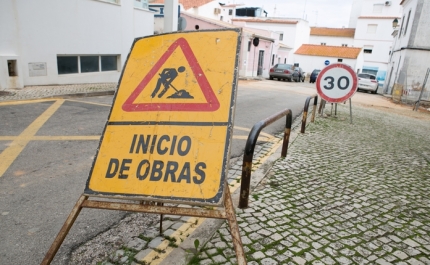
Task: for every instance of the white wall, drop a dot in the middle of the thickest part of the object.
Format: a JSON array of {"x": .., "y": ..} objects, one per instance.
[
  {"x": 331, "y": 41},
  {"x": 41, "y": 31},
  {"x": 206, "y": 10}
]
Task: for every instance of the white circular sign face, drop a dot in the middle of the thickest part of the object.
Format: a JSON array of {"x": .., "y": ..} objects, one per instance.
[{"x": 337, "y": 83}]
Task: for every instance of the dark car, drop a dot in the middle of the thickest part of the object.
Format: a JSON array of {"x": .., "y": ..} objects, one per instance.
[
  {"x": 314, "y": 75},
  {"x": 281, "y": 72},
  {"x": 298, "y": 75}
]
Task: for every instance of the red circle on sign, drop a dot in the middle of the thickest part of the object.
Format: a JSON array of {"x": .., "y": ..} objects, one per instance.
[{"x": 346, "y": 93}]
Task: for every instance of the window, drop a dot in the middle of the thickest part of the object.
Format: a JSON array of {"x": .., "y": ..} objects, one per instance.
[
  {"x": 67, "y": 65},
  {"x": 86, "y": 64},
  {"x": 109, "y": 63},
  {"x": 230, "y": 12},
  {"x": 401, "y": 27},
  {"x": 323, "y": 43},
  {"x": 249, "y": 46},
  {"x": 377, "y": 8},
  {"x": 141, "y": 4},
  {"x": 367, "y": 49},
  {"x": 344, "y": 45},
  {"x": 89, "y": 64},
  {"x": 220, "y": 18},
  {"x": 371, "y": 28},
  {"x": 407, "y": 22},
  {"x": 11, "y": 67},
  {"x": 339, "y": 60},
  {"x": 281, "y": 36}
]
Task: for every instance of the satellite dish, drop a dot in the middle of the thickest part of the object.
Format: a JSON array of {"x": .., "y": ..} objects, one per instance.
[
  {"x": 182, "y": 23},
  {"x": 256, "y": 41}
]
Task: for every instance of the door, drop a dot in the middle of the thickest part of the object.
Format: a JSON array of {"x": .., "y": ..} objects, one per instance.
[{"x": 260, "y": 63}]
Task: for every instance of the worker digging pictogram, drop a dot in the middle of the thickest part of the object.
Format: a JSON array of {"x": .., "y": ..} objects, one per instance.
[{"x": 166, "y": 78}]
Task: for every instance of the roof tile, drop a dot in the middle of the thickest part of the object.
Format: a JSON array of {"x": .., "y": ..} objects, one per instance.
[
  {"x": 334, "y": 32},
  {"x": 331, "y": 51},
  {"x": 261, "y": 20}
]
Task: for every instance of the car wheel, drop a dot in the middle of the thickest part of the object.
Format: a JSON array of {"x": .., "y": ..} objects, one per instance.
[
  {"x": 374, "y": 92},
  {"x": 271, "y": 77},
  {"x": 303, "y": 80}
]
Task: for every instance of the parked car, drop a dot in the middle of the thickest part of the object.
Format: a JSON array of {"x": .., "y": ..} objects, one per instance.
[
  {"x": 314, "y": 75},
  {"x": 367, "y": 82},
  {"x": 298, "y": 75},
  {"x": 281, "y": 72}
]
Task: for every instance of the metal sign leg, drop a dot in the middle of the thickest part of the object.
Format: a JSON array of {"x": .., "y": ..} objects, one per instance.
[
  {"x": 350, "y": 109},
  {"x": 234, "y": 228},
  {"x": 64, "y": 231}
]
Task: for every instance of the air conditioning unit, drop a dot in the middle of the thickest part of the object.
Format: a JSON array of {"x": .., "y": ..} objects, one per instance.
[
  {"x": 217, "y": 11},
  {"x": 387, "y": 3}
]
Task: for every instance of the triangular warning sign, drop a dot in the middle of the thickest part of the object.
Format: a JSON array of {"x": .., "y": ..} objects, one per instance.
[{"x": 212, "y": 103}]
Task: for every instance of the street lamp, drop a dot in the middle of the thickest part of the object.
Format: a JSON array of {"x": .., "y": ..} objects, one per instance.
[{"x": 395, "y": 23}]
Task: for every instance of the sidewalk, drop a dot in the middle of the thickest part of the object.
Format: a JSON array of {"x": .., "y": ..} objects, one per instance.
[
  {"x": 345, "y": 194},
  {"x": 64, "y": 91}
]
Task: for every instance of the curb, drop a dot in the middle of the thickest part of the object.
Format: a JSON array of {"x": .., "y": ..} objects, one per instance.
[{"x": 81, "y": 95}]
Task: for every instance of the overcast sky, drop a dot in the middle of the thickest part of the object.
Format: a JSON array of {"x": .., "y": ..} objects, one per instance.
[{"x": 321, "y": 13}]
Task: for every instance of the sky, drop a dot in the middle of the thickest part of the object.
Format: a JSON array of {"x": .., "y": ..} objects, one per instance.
[{"x": 321, "y": 13}]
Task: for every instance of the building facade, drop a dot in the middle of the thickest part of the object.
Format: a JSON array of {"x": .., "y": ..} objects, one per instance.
[
  {"x": 68, "y": 42},
  {"x": 373, "y": 20},
  {"x": 410, "y": 55}
]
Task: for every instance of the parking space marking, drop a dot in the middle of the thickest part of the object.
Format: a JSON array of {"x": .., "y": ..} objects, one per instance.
[
  {"x": 9, "y": 155},
  {"x": 89, "y": 102},
  {"x": 8, "y": 103},
  {"x": 53, "y": 138}
]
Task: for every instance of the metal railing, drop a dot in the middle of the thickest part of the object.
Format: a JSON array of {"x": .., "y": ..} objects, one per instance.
[
  {"x": 305, "y": 111},
  {"x": 249, "y": 151}
]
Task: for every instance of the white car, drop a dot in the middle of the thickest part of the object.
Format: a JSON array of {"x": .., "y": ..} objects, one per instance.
[{"x": 367, "y": 82}]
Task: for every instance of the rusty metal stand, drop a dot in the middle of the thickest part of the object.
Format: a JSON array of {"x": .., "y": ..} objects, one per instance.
[{"x": 227, "y": 213}]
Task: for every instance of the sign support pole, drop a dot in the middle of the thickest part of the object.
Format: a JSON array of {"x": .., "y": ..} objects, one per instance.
[
  {"x": 350, "y": 109},
  {"x": 227, "y": 213}
]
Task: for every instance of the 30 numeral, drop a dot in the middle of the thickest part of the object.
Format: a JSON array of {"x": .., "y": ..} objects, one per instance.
[{"x": 330, "y": 80}]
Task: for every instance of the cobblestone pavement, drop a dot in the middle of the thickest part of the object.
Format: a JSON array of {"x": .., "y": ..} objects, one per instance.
[
  {"x": 36, "y": 92},
  {"x": 345, "y": 194}
]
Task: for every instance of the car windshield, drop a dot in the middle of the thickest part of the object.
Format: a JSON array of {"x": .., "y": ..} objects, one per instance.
[
  {"x": 367, "y": 76},
  {"x": 283, "y": 66},
  {"x": 316, "y": 71}
]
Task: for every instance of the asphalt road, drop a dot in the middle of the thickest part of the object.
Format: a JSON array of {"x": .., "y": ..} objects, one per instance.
[{"x": 44, "y": 172}]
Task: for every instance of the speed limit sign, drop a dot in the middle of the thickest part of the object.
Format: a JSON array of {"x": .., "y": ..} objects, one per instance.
[{"x": 337, "y": 83}]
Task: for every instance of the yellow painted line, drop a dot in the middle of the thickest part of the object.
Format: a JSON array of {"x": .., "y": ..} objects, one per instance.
[
  {"x": 52, "y": 138},
  {"x": 92, "y": 103},
  {"x": 156, "y": 257},
  {"x": 244, "y": 137},
  {"x": 22, "y": 102},
  {"x": 248, "y": 130},
  {"x": 11, "y": 153}
]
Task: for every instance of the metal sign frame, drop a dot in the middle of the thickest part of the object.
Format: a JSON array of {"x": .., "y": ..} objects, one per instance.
[{"x": 225, "y": 210}]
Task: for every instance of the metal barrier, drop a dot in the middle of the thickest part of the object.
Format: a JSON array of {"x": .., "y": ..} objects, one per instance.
[
  {"x": 305, "y": 111},
  {"x": 249, "y": 151}
]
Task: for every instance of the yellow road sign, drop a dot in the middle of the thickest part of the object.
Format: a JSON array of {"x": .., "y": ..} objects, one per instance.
[{"x": 168, "y": 135}]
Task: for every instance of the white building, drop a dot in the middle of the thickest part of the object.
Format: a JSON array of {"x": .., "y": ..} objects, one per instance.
[
  {"x": 68, "y": 42},
  {"x": 373, "y": 21},
  {"x": 317, "y": 56},
  {"x": 292, "y": 32},
  {"x": 411, "y": 53},
  {"x": 342, "y": 37}
]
